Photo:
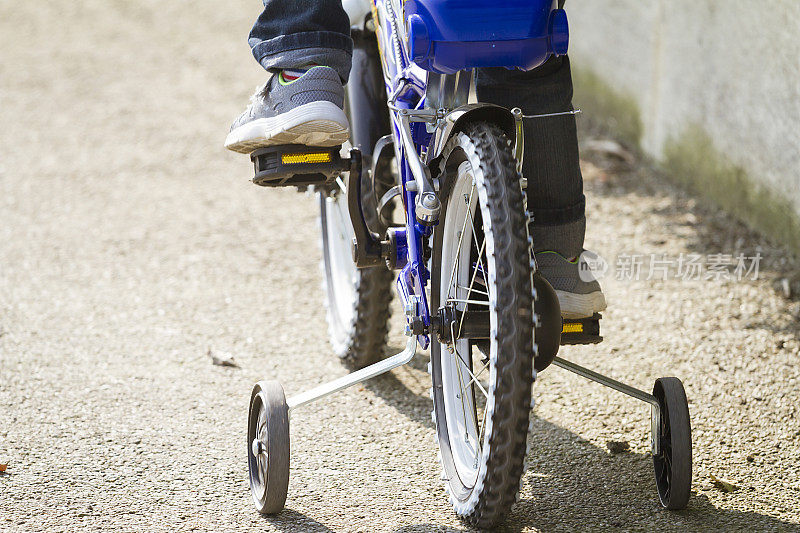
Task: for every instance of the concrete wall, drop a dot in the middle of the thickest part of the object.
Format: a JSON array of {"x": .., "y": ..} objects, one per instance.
[{"x": 709, "y": 88}]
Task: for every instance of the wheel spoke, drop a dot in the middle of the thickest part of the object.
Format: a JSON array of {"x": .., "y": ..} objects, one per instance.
[
  {"x": 472, "y": 281},
  {"x": 460, "y": 240},
  {"x": 481, "y": 371},
  {"x": 261, "y": 435},
  {"x": 460, "y": 381},
  {"x": 476, "y": 291},
  {"x": 480, "y": 253},
  {"x": 473, "y": 302},
  {"x": 474, "y": 380},
  {"x": 664, "y": 471},
  {"x": 467, "y": 389},
  {"x": 483, "y": 426},
  {"x": 340, "y": 183}
]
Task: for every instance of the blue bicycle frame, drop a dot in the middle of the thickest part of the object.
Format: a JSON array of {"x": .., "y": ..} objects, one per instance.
[{"x": 428, "y": 50}]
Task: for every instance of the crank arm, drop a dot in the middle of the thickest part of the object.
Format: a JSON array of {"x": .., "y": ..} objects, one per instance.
[{"x": 367, "y": 251}]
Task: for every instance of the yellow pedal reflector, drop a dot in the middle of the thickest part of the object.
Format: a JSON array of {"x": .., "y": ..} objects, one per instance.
[
  {"x": 572, "y": 327},
  {"x": 314, "y": 157}
]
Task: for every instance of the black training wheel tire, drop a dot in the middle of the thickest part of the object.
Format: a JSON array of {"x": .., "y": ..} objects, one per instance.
[
  {"x": 673, "y": 464},
  {"x": 268, "y": 447}
]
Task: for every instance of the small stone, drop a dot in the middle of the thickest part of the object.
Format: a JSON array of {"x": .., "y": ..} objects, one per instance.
[
  {"x": 751, "y": 458},
  {"x": 609, "y": 148},
  {"x": 616, "y": 447},
  {"x": 222, "y": 359},
  {"x": 786, "y": 287}
]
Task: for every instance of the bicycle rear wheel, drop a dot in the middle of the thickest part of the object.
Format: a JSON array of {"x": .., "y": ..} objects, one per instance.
[
  {"x": 482, "y": 265},
  {"x": 358, "y": 300}
]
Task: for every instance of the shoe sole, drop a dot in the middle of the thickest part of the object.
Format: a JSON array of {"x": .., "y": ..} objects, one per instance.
[
  {"x": 580, "y": 305},
  {"x": 314, "y": 124}
]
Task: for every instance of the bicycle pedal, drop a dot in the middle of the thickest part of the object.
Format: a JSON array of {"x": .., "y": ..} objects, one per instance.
[
  {"x": 297, "y": 165},
  {"x": 581, "y": 330}
]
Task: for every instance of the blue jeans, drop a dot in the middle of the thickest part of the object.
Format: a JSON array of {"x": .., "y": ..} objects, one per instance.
[{"x": 294, "y": 33}]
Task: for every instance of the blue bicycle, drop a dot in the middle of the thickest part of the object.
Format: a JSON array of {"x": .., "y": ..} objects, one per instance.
[{"x": 462, "y": 255}]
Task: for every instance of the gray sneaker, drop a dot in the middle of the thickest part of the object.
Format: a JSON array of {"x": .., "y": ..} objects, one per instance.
[
  {"x": 307, "y": 110},
  {"x": 578, "y": 298}
]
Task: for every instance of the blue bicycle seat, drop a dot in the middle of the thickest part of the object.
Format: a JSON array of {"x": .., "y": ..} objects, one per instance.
[{"x": 446, "y": 36}]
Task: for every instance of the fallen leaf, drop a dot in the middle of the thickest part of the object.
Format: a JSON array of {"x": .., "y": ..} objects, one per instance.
[
  {"x": 222, "y": 359},
  {"x": 615, "y": 446},
  {"x": 723, "y": 484},
  {"x": 3, "y": 467}
]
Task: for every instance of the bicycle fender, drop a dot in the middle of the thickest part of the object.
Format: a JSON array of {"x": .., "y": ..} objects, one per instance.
[{"x": 459, "y": 118}]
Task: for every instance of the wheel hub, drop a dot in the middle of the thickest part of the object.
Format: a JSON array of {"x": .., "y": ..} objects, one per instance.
[
  {"x": 451, "y": 324},
  {"x": 258, "y": 448}
]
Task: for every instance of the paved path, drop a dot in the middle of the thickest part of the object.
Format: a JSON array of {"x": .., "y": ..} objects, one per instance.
[{"x": 131, "y": 243}]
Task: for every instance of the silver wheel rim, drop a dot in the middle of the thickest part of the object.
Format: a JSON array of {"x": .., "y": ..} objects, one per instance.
[
  {"x": 464, "y": 284},
  {"x": 258, "y": 478},
  {"x": 341, "y": 271}
]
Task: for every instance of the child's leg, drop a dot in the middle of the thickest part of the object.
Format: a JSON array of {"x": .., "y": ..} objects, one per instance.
[
  {"x": 555, "y": 184},
  {"x": 551, "y": 164},
  {"x": 295, "y": 33}
]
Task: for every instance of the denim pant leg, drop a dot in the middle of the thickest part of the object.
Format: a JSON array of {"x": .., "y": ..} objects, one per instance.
[
  {"x": 551, "y": 164},
  {"x": 294, "y": 33}
]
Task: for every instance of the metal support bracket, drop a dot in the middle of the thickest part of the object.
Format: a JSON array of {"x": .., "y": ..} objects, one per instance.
[
  {"x": 448, "y": 91},
  {"x": 519, "y": 142},
  {"x": 427, "y": 203},
  {"x": 655, "y": 408},
  {"x": 353, "y": 378}
]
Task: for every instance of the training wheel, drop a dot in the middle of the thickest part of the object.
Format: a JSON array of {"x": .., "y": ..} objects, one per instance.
[
  {"x": 673, "y": 463},
  {"x": 268, "y": 447}
]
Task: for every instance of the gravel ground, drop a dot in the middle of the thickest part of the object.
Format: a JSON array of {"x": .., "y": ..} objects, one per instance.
[{"x": 131, "y": 244}]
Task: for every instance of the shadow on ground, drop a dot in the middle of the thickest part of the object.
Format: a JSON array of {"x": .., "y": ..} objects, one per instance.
[
  {"x": 572, "y": 483},
  {"x": 289, "y": 520}
]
